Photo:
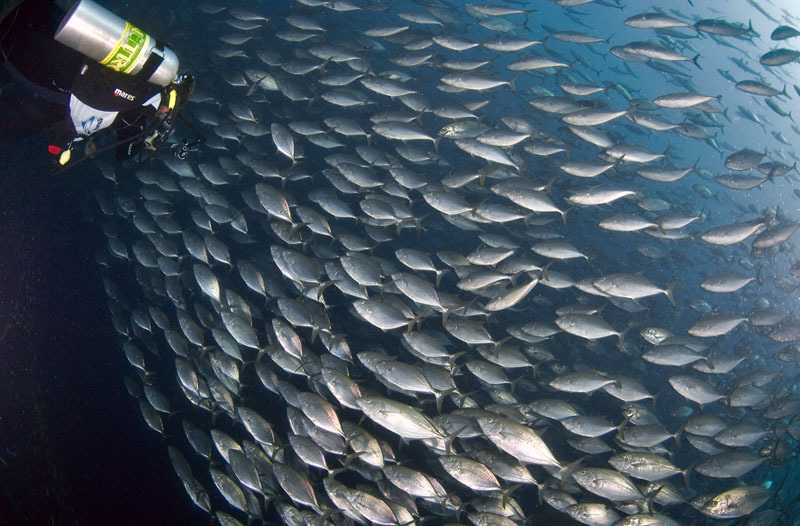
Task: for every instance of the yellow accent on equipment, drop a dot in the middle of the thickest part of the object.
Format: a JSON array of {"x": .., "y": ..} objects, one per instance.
[
  {"x": 124, "y": 56},
  {"x": 173, "y": 99},
  {"x": 65, "y": 157},
  {"x": 117, "y": 44}
]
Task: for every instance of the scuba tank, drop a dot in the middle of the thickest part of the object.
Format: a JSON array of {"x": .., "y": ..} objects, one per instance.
[{"x": 117, "y": 44}]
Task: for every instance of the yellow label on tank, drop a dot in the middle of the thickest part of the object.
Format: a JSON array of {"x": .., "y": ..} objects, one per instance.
[{"x": 127, "y": 49}]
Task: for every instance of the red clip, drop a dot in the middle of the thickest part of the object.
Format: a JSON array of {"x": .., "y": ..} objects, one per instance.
[{"x": 54, "y": 149}]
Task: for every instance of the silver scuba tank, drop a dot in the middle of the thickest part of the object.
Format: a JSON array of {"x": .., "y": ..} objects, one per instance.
[{"x": 115, "y": 43}]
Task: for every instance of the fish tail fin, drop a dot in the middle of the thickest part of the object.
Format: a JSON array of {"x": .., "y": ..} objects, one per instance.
[
  {"x": 546, "y": 269},
  {"x": 654, "y": 398},
  {"x": 439, "y": 402},
  {"x": 625, "y": 422},
  {"x": 565, "y": 472},
  {"x": 631, "y": 325},
  {"x": 439, "y": 397},
  {"x": 445, "y": 315},
  {"x": 450, "y": 438},
  {"x": 621, "y": 428},
  {"x": 696, "y": 61},
  {"x": 346, "y": 461},
  {"x": 539, "y": 488},
  {"x": 418, "y": 321},
  {"x": 457, "y": 370},
  {"x": 252, "y": 89},
  {"x": 321, "y": 290},
  {"x": 670, "y": 292},
  {"x": 564, "y": 214},
  {"x": 324, "y": 66},
  {"x": 527, "y": 23},
  {"x": 646, "y": 506},
  {"x": 710, "y": 363},
  {"x": 419, "y": 227},
  {"x": 505, "y": 494},
  {"x": 686, "y": 475},
  {"x": 677, "y": 437},
  {"x": 549, "y": 186},
  {"x": 501, "y": 342}
]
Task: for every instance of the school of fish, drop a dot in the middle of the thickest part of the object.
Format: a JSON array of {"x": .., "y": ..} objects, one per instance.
[{"x": 429, "y": 265}]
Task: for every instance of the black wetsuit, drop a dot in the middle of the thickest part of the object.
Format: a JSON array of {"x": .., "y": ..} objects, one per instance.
[{"x": 57, "y": 77}]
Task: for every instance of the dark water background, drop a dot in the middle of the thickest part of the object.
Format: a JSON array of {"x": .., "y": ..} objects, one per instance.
[{"x": 73, "y": 447}]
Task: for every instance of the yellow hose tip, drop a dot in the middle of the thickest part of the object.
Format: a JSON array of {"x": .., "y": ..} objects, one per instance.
[
  {"x": 173, "y": 99},
  {"x": 65, "y": 157}
]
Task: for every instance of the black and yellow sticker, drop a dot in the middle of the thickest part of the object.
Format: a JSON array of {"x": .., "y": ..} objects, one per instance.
[{"x": 127, "y": 49}]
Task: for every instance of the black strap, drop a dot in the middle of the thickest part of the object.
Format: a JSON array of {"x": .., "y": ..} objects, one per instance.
[
  {"x": 50, "y": 95},
  {"x": 153, "y": 62},
  {"x": 127, "y": 140},
  {"x": 6, "y": 6},
  {"x": 107, "y": 90}
]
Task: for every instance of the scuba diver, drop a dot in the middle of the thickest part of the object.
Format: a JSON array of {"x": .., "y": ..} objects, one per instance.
[{"x": 88, "y": 70}]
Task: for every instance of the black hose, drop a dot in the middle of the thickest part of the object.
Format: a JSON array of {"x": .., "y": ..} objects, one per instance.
[{"x": 144, "y": 133}]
